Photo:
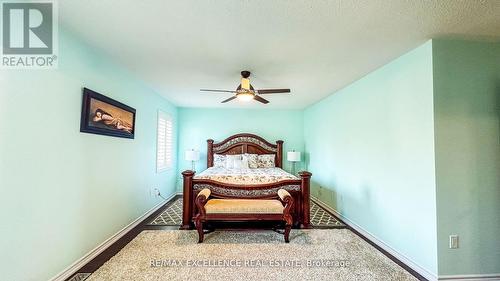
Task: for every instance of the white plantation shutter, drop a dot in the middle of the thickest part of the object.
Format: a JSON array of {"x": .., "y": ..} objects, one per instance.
[{"x": 164, "y": 142}]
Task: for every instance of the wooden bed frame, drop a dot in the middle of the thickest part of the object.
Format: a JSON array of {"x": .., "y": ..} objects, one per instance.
[{"x": 253, "y": 144}]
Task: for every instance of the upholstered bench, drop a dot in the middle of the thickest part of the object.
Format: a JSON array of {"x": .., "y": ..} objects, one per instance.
[{"x": 243, "y": 210}]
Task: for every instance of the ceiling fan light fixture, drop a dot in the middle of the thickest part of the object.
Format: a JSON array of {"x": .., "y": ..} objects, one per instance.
[{"x": 245, "y": 96}]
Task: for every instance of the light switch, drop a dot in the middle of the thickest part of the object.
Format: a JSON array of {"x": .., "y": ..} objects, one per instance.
[{"x": 454, "y": 241}]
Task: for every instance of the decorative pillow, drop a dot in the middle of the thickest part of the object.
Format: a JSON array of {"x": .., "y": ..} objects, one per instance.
[
  {"x": 240, "y": 164},
  {"x": 244, "y": 163},
  {"x": 266, "y": 161},
  {"x": 252, "y": 160},
  {"x": 219, "y": 160},
  {"x": 231, "y": 159}
]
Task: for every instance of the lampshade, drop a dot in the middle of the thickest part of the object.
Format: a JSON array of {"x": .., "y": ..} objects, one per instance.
[
  {"x": 293, "y": 156},
  {"x": 192, "y": 155}
]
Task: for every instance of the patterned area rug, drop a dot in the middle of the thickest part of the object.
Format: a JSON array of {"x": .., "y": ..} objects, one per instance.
[
  {"x": 171, "y": 216},
  {"x": 319, "y": 217},
  {"x": 312, "y": 254}
]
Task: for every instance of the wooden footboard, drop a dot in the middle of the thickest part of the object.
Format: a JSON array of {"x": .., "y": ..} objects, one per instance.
[{"x": 299, "y": 189}]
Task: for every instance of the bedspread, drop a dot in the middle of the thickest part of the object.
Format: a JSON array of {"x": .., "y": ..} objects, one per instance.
[{"x": 246, "y": 176}]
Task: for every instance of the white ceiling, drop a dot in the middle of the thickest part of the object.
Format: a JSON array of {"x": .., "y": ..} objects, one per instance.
[{"x": 312, "y": 47}]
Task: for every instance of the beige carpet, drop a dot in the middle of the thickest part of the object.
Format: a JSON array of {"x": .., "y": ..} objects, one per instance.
[{"x": 336, "y": 254}]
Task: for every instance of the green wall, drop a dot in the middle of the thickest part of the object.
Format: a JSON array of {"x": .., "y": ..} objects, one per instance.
[
  {"x": 467, "y": 109},
  {"x": 371, "y": 152},
  {"x": 64, "y": 192},
  {"x": 196, "y": 125}
]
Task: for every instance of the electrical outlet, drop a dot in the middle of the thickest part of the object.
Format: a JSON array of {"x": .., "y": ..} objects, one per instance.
[
  {"x": 453, "y": 241},
  {"x": 154, "y": 192}
]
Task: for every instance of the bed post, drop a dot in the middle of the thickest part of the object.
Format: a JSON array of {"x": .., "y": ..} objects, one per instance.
[
  {"x": 304, "y": 186},
  {"x": 187, "y": 200},
  {"x": 279, "y": 154},
  {"x": 210, "y": 153}
]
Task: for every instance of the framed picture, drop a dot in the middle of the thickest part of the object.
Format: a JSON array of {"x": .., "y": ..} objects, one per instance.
[{"x": 105, "y": 116}]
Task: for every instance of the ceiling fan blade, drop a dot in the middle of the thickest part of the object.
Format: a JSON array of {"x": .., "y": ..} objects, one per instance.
[
  {"x": 229, "y": 99},
  {"x": 217, "y": 91},
  {"x": 262, "y": 100},
  {"x": 273, "y": 91}
]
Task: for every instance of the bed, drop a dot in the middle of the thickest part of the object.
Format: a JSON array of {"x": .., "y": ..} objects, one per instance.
[{"x": 254, "y": 183}]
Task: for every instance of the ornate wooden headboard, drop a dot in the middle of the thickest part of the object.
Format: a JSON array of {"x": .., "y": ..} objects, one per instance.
[{"x": 245, "y": 143}]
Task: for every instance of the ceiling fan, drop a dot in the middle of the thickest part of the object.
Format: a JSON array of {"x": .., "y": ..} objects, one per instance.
[{"x": 246, "y": 92}]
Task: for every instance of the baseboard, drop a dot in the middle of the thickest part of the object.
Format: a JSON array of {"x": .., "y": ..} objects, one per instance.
[
  {"x": 471, "y": 277},
  {"x": 404, "y": 259},
  {"x": 73, "y": 268}
]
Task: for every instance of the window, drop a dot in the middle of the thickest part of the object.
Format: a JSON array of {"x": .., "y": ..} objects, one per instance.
[{"x": 164, "y": 142}]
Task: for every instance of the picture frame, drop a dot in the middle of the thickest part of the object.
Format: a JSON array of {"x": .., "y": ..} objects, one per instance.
[{"x": 105, "y": 116}]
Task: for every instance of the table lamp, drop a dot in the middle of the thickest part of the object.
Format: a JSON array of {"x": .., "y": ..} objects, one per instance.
[
  {"x": 293, "y": 156},
  {"x": 193, "y": 156}
]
